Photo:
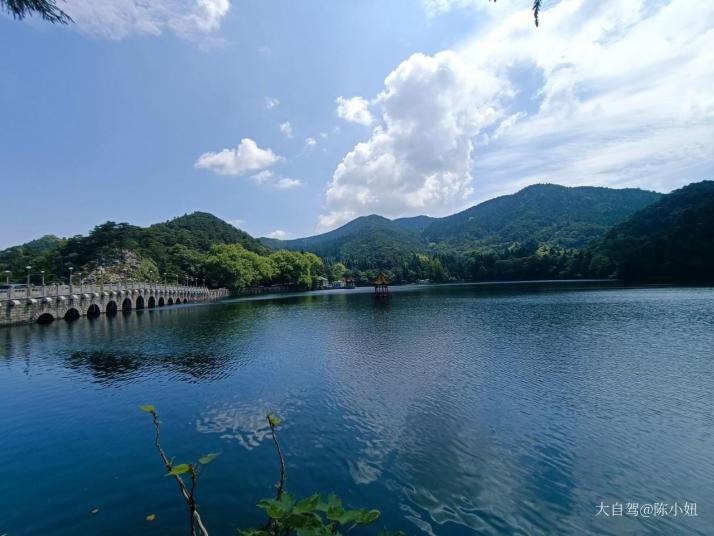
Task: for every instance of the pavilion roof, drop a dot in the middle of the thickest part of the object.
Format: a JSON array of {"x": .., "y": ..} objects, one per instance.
[{"x": 380, "y": 279}]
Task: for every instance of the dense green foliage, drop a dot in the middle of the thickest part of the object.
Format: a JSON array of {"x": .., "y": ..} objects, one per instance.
[
  {"x": 540, "y": 232},
  {"x": 197, "y": 245},
  {"x": 547, "y": 213},
  {"x": 671, "y": 240}
]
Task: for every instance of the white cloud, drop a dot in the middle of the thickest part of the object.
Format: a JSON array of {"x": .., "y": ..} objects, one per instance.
[
  {"x": 244, "y": 158},
  {"x": 271, "y": 103},
  {"x": 264, "y": 176},
  {"x": 286, "y": 182},
  {"x": 116, "y": 19},
  {"x": 310, "y": 143},
  {"x": 238, "y": 223},
  {"x": 286, "y": 129},
  {"x": 278, "y": 181},
  {"x": 624, "y": 97},
  {"x": 609, "y": 93},
  {"x": 278, "y": 233},
  {"x": 419, "y": 158},
  {"x": 354, "y": 110}
]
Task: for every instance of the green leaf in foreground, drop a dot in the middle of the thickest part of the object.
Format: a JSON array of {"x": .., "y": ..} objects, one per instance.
[
  {"x": 179, "y": 469},
  {"x": 147, "y": 407},
  {"x": 273, "y": 419},
  {"x": 277, "y": 508},
  {"x": 208, "y": 458},
  {"x": 308, "y": 504}
]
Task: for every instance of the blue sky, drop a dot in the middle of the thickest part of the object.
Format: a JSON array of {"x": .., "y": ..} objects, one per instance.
[{"x": 290, "y": 118}]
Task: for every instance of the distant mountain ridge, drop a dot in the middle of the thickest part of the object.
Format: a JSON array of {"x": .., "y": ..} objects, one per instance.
[
  {"x": 569, "y": 217},
  {"x": 541, "y": 232}
]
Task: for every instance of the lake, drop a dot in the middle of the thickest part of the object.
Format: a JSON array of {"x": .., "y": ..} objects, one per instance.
[{"x": 462, "y": 409}]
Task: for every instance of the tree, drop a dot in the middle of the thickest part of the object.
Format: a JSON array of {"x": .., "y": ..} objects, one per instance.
[
  {"x": 46, "y": 9},
  {"x": 337, "y": 271},
  {"x": 233, "y": 266},
  {"x": 295, "y": 268}
]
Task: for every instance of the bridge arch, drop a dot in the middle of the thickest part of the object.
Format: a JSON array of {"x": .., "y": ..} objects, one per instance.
[
  {"x": 151, "y": 303},
  {"x": 111, "y": 308},
  {"x": 139, "y": 304},
  {"x": 171, "y": 301},
  {"x": 93, "y": 311},
  {"x": 161, "y": 301},
  {"x": 45, "y": 318},
  {"x": 72, "y": 314},
  {"x": 126, "y": 305}
]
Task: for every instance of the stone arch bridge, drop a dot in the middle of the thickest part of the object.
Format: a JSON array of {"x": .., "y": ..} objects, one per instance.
[{"x": 23, "y": 304}]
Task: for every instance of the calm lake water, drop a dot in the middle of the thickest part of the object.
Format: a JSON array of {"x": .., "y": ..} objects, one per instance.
[{"x": 487, "y": 409}]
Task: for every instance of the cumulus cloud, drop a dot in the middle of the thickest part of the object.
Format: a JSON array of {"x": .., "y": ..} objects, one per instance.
[
  {"x": 116, "y": 19},
  {"x": 286, "y": 129},
  {"x": 419, "y": 157},
  {"x": 271, "y": 103},
  {"x": 278, "y": 233},
  {"x": 310, "y": 143},
  {"x": 245, "y": 158},
  {"x": 623, "y": 99},
  {"x": 610, "y": 93},
  {"x": 354, "y": 110}
]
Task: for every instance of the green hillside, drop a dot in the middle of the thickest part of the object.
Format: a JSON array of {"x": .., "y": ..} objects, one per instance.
[
  {"x": 545, "y": 213},
  {"x": 366, "y": 242},
  {"x": 544, "y": 231},
  {"x": 195, "y": 245},
  {"x": 670, "y": 240},
  {"x": 537, "y": 232}
]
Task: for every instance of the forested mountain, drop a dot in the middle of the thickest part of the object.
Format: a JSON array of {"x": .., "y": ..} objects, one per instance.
[
  {"x": 670, "y": 240},
  {"x": 543, "y": 231},
  {"x": 537, "y": 232},
  {"x": 366, "y": 242},
  {"x": 197, "y": 245},
  {"x": 545, "y": 213}
]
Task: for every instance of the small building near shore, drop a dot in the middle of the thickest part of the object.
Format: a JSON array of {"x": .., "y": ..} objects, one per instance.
[{"x": 381, "y": 286}]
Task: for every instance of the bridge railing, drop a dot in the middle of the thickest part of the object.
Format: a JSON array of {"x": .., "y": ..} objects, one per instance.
[{"x": 18, "y": 292}]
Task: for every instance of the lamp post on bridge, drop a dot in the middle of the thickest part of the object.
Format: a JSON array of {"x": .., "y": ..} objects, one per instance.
[
  {"x": 43, "y": 282},
  {"x": 71, "y": 269},
  {"x": 29, "y": 293},
  {"x": 81, "y": 283},
  {"x": 7, "y": 277}
]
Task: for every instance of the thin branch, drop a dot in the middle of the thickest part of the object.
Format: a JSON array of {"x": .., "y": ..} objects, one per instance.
[
  {"x": 187, "y": 494},
  {"x": 281, "y": 484}
]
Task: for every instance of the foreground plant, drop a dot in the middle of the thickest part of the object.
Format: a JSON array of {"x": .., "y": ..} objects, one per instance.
[{"x": 316, "y": 515}]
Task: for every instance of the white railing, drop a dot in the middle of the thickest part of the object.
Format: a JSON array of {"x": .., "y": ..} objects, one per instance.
[{"x": 18, "y": 292}]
